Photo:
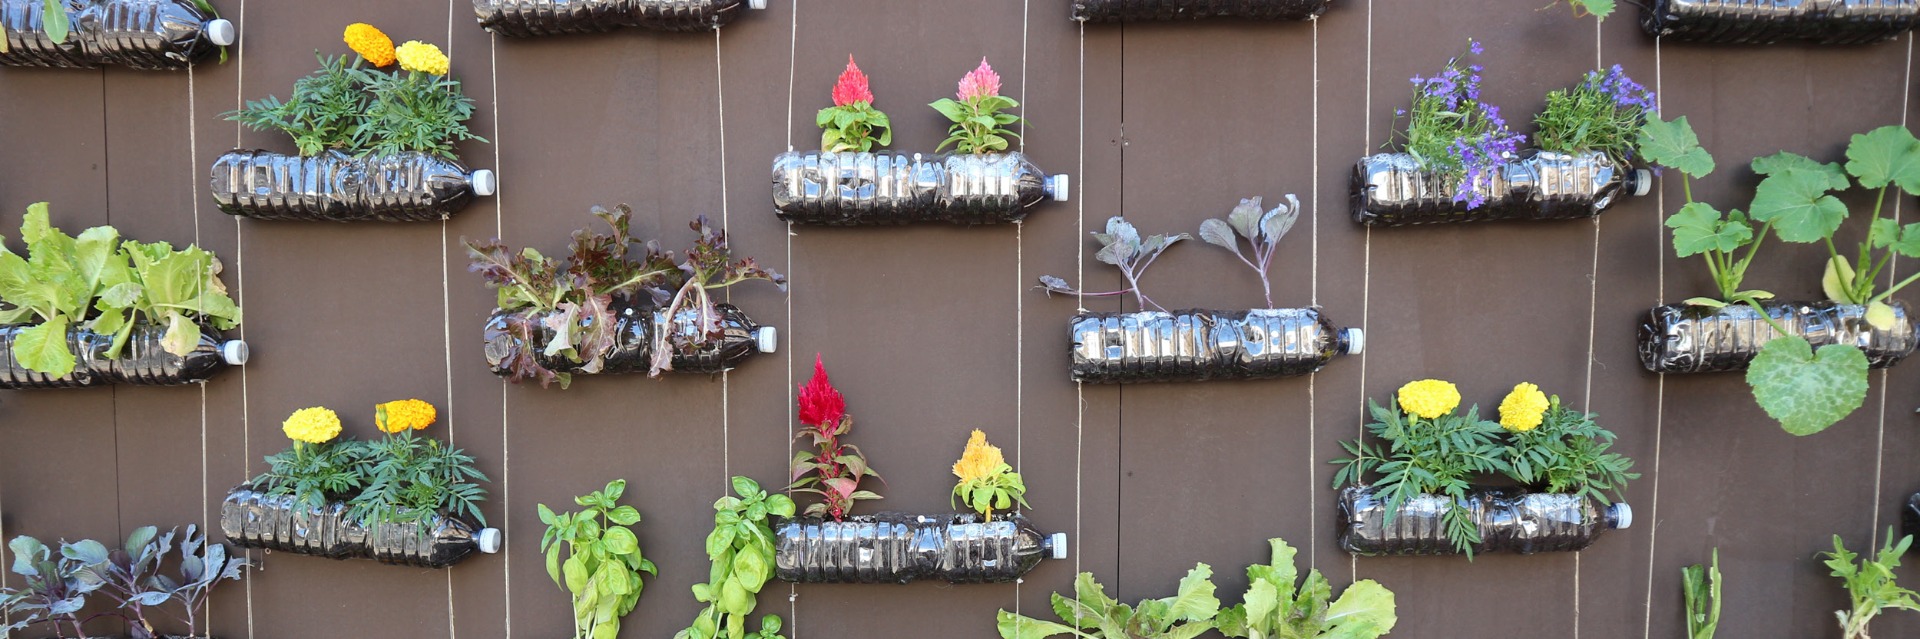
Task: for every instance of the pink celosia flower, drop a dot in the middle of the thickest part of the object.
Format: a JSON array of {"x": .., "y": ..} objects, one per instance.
[
  {"x": 852, "y": 86},
  {"x": 982, "y": 82}
]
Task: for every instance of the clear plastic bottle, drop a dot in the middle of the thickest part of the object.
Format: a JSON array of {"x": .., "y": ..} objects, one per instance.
[
  {"x": 870, "y": 189},
  {"x": 156, "y": 35},
  {"x": 1507, "y": 519},
  {"x": 528, "y": 18},
  {"x": 1840, "y": 22},
  {"x": 1681, "y": 338},
  {"x": 142, "y": 360},
  {"x": 899, "y": 548},
  {"x": 256, "y": 520},
  {"x": 633, "y": 341},
  {"x": 1394, "y": 189},
  {"x": 1197, "y": 345},
  {"x": 1171, "y": 10},
  {"x": 336, "y": 187}
]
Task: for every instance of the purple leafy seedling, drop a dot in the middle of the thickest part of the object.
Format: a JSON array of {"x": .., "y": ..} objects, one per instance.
[
  {"x": 1122, "y": 247},
  {"x": 1261, "y": 230}
]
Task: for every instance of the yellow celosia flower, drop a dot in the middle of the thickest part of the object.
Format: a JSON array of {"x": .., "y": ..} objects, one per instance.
[
  {"x": 980, "y": 459},
  {"x": 1429, "y": 398},
  {"x": 420, "y": 56},
  {"x": 1523, "y": 409},
  {"x": 317, "y": 425},
  {"x": 397, "y": 416},
  {"x": 370, "y": 43}
]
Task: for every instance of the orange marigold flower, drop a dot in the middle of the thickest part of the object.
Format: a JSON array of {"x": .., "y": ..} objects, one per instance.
[
  {"x": 402, "y": 415},
  {"x": 372, "y": 45}
]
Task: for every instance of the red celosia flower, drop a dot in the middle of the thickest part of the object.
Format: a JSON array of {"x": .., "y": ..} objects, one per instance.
[
  {"x": 982, "y": 82},
  {"x": 820, "y": 402},
  {"x": 852, "y": 86}
]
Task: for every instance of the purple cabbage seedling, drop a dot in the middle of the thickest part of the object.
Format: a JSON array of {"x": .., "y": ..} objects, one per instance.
[
  {"x": 1122, "y": 247},
  {"x": 1261, "y": 230}
]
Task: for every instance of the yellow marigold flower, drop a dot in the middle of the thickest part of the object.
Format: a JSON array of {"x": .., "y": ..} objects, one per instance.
[
  {"x": 370, "y": 43},
  {"x": 317, "y": 425},
  {"x": 1523, "y": 409},
  {"x": 420, "y": 56},
  {"x": 1429, "y": 398},
  {"x": 397, "y": 416},
  {"x": 980, "y": 459}
]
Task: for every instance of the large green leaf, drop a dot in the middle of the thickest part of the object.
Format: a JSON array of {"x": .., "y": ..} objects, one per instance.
[
  {"x": 1262, "y": 601},
  {"x": 1673, "y": 144},
  {"x": 1887, "y": 155},
  {"x": 43, "y": 347},
  {"x": 1599, "y": 8},
  {"x": 1012, "y": 626},
  {"x": 54, "y": 18},
  {"x": 1797, "y": 203},
  {"x": 1807, "y": 391},
  {"x": 1828, "y": 173},
  {"x": 1194, "y": 601},
  {"x": 1699, "y": 228},
  {"x": 1364, "y": 611}
]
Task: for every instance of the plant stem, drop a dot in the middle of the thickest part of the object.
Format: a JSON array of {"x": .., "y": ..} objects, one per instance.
[{"x": 1890, "y": 291}]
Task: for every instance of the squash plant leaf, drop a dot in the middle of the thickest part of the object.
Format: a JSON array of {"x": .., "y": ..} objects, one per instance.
[
  {"x": 1795, "y": 198},
  {"x": 1673, "y": 144},
  {"x": 1700, "y": 228},
  {"x": 1887, "y": 155},
  {"x": 1808, "y": 391}
]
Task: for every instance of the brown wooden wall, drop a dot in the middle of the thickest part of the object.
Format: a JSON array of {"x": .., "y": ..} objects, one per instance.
[{"x": 932, "y": 331}]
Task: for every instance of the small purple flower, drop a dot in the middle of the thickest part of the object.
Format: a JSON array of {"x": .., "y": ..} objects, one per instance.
[{"x": 1474, "y": 46}]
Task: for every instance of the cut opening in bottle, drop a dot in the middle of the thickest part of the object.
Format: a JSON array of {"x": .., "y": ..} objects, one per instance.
[{"x": 1199, "y": 345}]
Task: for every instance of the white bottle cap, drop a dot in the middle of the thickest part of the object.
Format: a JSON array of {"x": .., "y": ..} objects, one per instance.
[
  {"x": 1642, "y": 182},
  {"x": 756, "y": 4},
  {"x": 1356, "y": 340},
  {"x": 220, "y": 32},
  {"x": 1058, "y": 544},
  {"x": 488, "y": 540},
  {"x": 234, "y": 352},
  {"x": 1060, "y": 187},
  {"x": 483, "y": 182},
  {"x": 766, "y": 339},
  {"x": 1622, "y": 515}
]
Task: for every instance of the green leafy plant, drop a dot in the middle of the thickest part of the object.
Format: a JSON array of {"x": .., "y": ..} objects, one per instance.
[
  {"x": 313, "y": 472},
  {"x": 99, "y": 283},
  {"x": 55, "y": 587},
  {"x": 1428, "y": 449},
  {"x": 986, "y": 481},
  {"x": 741, "y": 549},
  {"x": 1094, "y": 615},
  {"x": 416, "y": 112},
  {"x": 1261, "y": 230},
  {"x": 575, "y": 301},
  {"x": 978, "y": 124},
  {"x": 1274, "y": 608},
  {"x": 602, "y": 562},
  {"x": 412, "y": 478},
  {"x": 360, "y": 110},
  {"x": 1567, "y": 453},
  {"x": 1701, "y": 587},
  {"x": 1122, "y": 247},
  {"x": 1603, "y": 113},
  {"x": 1582, "y": 8},
  {"x": 852, "y": 124},
  {"x": 327, "y": 110},
  {"x": 1798, "y": 194},
  {"x": 1870, "y": 584},
  {"x": 831, "y": 470},
  {"x": 1452, "y": 133},
  {"x": 132, "y": 574}
]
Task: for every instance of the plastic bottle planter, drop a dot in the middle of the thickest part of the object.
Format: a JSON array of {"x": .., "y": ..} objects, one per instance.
[
  {"x": 1508, "y": 520},
  {"x": 633, "y": 341},
  {"x": 899, "y": 548},
  {"x": 142, "y": 360},
  {"x": 1172, "y": 10},
  {"x": 1393, "y": 189},
  {"x": 869, "y": 189},
  {"x": 256, "y": 520},
  {"x": 154, "y": 35},
  {"x": 1679, "y": 338},
  {"x": 1910, "y": 516},
  {"x": 1198, "y": 345},
  {"x": 402, "y": 187},
  {"x": 527, "y": 18},
  {"x": 1769, "y": 21}
]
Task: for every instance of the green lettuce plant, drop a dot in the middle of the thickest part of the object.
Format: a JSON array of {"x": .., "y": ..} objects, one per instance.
[
  {"x": 1094, "y": 615},
  {"x": 1870, "y": 584},
  {"x": 1701, "y": 587},
  {"x": 1274, "y": 608},
  {"x": 603, "y": 560},
  {"x": 99, "y": 283},
  {"x": 741, "y": 549}
]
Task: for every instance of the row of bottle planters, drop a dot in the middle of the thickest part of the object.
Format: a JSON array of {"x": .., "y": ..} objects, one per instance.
[
  {"x": 958, "y": 548},
  {"x": 171, "y": 34}
]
